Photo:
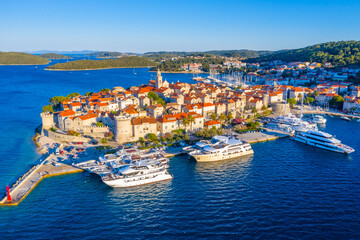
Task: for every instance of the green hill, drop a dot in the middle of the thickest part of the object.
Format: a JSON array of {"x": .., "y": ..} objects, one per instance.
[
  {"x": 242, "y": 53},
  {"x": 54, "y": 56},
  {"x": 105, "y": 54},
  {"x": 123, "y": 62},
  {"x": 337, "y": 53},
  {"x": 19, "y": 58}
]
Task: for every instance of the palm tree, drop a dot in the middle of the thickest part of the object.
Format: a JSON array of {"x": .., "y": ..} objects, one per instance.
[
  {"x": 185, "y": 121},
  {"x": 229, "y": 116},
  {"x": 191, "y": 120},
  {"x": 222, "y": 117},
  {"x": 254, "y": 111},
  {"x": 213, "y": 116}
]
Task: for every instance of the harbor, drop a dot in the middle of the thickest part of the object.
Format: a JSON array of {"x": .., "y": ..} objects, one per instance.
[{"x": 54, "y": 165}]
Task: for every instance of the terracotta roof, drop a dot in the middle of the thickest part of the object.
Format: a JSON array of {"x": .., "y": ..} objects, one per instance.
[
  {"x": 141, "y": 120},
  {"x": 75, "y": 104},
  {"x": 88, "y": 116},
  {"x": 67, "y": 113}
]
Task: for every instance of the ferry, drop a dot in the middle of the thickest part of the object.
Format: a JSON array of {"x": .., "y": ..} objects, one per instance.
[
  {"x": 221, "y": 148},
  {"x": 322, "y": 140},
  {"x": 131, "y": 175}
]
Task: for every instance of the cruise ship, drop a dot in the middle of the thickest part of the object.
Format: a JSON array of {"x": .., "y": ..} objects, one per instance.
[
  {"x": 131, "y": 175},
  {"x": 221, "y": 148},
  {"x": 322, "y": 140}
]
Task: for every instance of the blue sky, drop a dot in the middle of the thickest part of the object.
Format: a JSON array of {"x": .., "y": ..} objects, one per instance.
[{"x": 141, "y": 26}]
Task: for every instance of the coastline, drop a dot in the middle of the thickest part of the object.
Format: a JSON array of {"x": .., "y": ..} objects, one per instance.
[
  {"x": 30, "y": 64},
  {"x": 180, "y": 72},
  {"x": 90, "y": 69}
]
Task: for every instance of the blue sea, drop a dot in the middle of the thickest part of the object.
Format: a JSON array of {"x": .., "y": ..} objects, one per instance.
[{"x": 286, "y": 190}]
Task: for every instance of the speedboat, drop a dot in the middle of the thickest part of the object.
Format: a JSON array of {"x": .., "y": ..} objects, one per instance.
[{"x": 345, "y": 118}]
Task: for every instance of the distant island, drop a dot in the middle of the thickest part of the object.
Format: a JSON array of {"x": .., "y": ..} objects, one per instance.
[
  {"x": 19, "y": 58},
  {"x": 54, "y": 56},
  {"x": 123, "y": 62},
  {"x": 105, "y": 54}
]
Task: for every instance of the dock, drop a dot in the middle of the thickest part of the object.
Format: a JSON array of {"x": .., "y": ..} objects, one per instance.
[
  {"x": 33, "y": 177},
  {"x": 268, "y": 135}
]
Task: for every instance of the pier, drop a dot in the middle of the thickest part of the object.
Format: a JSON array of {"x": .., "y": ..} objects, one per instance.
[
  {"x": 268, "y": 135},
  {"x": 33, "y": 177}
]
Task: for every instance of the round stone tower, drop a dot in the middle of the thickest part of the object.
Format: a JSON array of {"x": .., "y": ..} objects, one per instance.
[
  {"x": 123, "y": 130},
  {"x": 47, "y": 120},
  {"x": 265, "y": 99}
]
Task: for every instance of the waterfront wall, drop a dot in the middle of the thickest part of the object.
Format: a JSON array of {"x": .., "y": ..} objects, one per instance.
[{"x": 63, "y": 137}]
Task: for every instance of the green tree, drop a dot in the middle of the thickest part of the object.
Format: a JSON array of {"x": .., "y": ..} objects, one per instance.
[
  {"x": 152, "y": 137},
  {"x": 99, "y": 124},
  {"x": 71, "y": 95},
  {"x": 105, "y": 90},
  {"x": 88, "y": 94},
  {"x": 229, "y": 116},
  {"x": 191, "y": 120},
  {"x": 213, "y": 116},
  {"x": 48, "y": 108},
  {"x": 309, "y": 100},
  {"x": 185, "y": 122},
  {"x": 337, "y": 102},
  {"x": 103, "y": 141},
  {"x": 222, "y": 117},
  {"x": 186, "y": 138},
  {"x": 291, "y": 101}
]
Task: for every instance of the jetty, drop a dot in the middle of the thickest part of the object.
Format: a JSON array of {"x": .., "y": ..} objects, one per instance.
[
  {"x": 26, "y": 183},
  {"x": 262, "y": 136}
]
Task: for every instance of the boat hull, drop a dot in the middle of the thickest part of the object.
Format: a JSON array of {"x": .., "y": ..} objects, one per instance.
[
  {"x": 315, "y": 144},
  {"x": 219, "y": 156},
  {"x": 130, "y": 182}
]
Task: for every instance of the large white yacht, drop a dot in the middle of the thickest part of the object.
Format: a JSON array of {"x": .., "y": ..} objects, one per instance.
[
  {"x": 131, "y": 175},
  {"x": 221, "y": 148},
  {"x": 319, "y": 119},
  {"x": 129, "y": 167},
  {"x": 322, "y": 140}
]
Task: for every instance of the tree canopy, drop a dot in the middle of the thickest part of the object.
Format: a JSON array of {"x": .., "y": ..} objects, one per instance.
[{"x": 337, "y": 53}]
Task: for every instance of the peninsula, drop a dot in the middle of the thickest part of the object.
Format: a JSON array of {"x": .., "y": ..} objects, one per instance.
[
  {"x": 19, "y": 58},
  {"x": 54, "y": 56},
  {"x": 123, "y": 62}
]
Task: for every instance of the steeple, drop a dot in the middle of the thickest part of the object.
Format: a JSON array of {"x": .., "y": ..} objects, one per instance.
[{"x": 158, "y": 79}]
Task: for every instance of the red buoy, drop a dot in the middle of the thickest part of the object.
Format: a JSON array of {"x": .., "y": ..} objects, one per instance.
[{"x": 8, "y": 193}]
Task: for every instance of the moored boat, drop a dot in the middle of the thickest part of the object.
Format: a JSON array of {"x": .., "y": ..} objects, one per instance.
[
  {"x": 322, "y": 140},
  {"x": 222, "y": 148}
]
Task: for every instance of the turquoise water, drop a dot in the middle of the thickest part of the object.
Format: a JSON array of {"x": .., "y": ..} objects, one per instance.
[{"x": 287, "y": 190}]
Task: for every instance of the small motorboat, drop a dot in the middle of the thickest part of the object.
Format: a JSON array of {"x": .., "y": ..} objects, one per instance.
[{"x": 345, "y": 118}]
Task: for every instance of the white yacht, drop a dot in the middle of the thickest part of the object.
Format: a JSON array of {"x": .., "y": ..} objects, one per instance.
[
  {"x": 129, "y": 167},
  {"x": 345, "y": 118},
  {"x": 280, "y": 127},
  {"x": 318, "y": 119},
  {"x": 221, "y": 148},
  {"x": 322, "y": 140},
  {"x": 131, "y": 175}
]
